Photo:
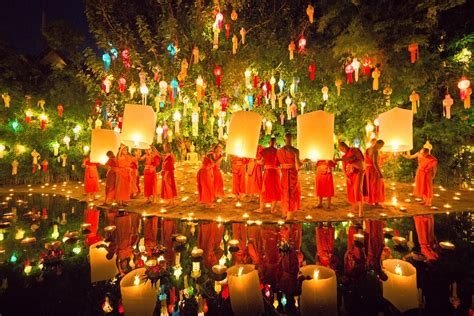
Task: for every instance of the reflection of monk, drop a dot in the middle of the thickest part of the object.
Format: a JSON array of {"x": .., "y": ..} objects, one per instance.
[
  {"x": 271, "y": 187},
  {"x": 238, "y": 176},
  {"x": 425, "y": 173}
]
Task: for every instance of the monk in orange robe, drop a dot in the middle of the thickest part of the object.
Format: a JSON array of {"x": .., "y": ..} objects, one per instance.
[
  {"x": 289, "y": 160},
  {"x": 216, "y": 157},
  {"x": 91, "y": 178},
  {"x": 122, "y": 185},
  {"x": 324, "y": 181},
  {"x": 205, "y": 182},
  {"x": 110, "y": 178},
  {"x": 168, "y": 184},
  {"x": 254, "y": 173},
  {"x": 152, "y": 161},
  {"x": 352, "y": 165},
  {"x": 373, "y": 174},
  {"x": 427, "y": 165},
  {"x": 271, "y": 190},
  {"x": 134, "y": 174},
  {"x": 238, "y": 176}
]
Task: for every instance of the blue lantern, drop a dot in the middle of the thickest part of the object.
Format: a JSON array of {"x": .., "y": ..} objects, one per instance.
[{"x": 107, "y": 60}]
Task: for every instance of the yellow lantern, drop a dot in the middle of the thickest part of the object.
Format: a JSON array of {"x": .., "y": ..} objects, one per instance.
[
  {"x": 396, "y": 130},
  {"x": 102, "y": 141},
  {"x": 102, "y": 269},
  {"x": 244, "y": 132},
  {"x": 138, "y": 127},
  {"x": 400, "y": 289},
  {"x": 138, "y": 296},
  {"x": 315, "y": 135},
  {"x": 319, "y": 294},
  {"x": 244, "y": 290}
]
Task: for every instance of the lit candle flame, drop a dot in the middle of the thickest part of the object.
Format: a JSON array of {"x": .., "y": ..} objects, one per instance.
[
  {"x": 316, "y": 274},
  {"x": 398, "y": 269},
  {"x": 136, "y": 280},
  {"x": 241, "y": 269}
]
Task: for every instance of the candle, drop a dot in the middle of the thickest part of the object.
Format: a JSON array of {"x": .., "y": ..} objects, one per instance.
[
  {"x": 233, "y": 245},
  {"x": 447, "y": 245},
  {"x": 399, "y": 241},
  {"x": 28, "y": 241},
  {"x": 244, "y": 290},
  {"x": 102, "y": 268},
  {"x": 400, "y": 288},
  {"x": 319, "y": 294},
  {"x": 138, "y": 296}
]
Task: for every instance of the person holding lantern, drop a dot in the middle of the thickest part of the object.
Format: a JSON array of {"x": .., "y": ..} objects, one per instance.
[
  {"x": 324, "y": 181},
  {"x": 216, "y": 156},
  {"x": 168, "y": 184},
  {"x": 427, "y": 165},
  {"x": 254, "y": 174},
  {"x": 352, "y": 165},
  {"x": 271, "y": 190},
  {"x": 91, "y": 178},
  {"x": 152, "y": 161},
  {"x": 373, "y": 174},
  {"x": 110, "y": 178},
  {"x": 238, "y": 176},
  {"x": 123, "y": 176}
]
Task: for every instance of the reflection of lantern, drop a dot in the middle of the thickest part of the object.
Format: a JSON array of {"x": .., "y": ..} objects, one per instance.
[
  {"x": 138, "y": 126},
  {"x": 463, "y": 84},
  {"x": 319, "y": 294},
  {"x": 244, "y": 131},
  {"x": 138, "y": 296},
  {"x": 244, "y": 289},
  {"x": 102, "y": 269},
  {"x": 310, "y": 13},
  {"x": 102, "y": 141},
  {"x": 315, "y": 135},
  {"x": 400, "y": 288},
  {"x": 396, "y": 130}
]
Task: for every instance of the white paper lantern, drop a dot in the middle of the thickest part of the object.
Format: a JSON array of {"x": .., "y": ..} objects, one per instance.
[
  {"x": 319, "y": 294},
  {"x": 138, "y": 127},
  {"x": 244, "y": 132},
  {"x": 316, "y": 135},
  {"x": 102, "y": 141},
  {"x": 396, "y": 130},
  {"x": 400, "y": 288},
  {"x": 244, "y": 289},
  {"x": 138, "y": 296},
  {"x": 102, "y": 269}
]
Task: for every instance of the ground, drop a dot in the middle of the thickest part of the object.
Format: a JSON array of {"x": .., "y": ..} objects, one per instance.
[{"x": 445, "y": 200}]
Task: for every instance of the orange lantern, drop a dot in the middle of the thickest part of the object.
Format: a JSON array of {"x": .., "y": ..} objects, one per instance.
[
  {"x": 138, "y": 126},
  {"x": 244, "y": 133},
  {"x": 414, "y": 52},
  {"x": 315, "y": 133},
  {"x": 396, "y": 130},
  {"x": 102, "y": 141}
]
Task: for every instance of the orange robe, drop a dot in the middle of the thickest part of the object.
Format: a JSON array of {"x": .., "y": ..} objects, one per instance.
[
  {"x": 254, "y": 174},
  {"x": 374, "y": 184},
  {"x": 290, "y": 186},
  {"x": 91, "y": 177},
  {"x": 122, "y": 184},
  {"x": 168, "y": 185},
  {"x": 271, "y": 188},
  {"x": 425, "y": 172},
  {"x": 110, "y": 179},
  {"x": 238, "y": 174},
  {"x": 205, "y": 182},
  {"x": 149, "y": 175},
  {"x": 134, "y": 177},
  {"x": 324, "y": 179},
  {"x": 218, "y": 179},
  {"x": 354, "y": 175}
]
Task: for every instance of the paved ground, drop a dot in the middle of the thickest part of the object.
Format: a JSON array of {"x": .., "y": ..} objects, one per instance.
[{"x": 186, "y": 203}]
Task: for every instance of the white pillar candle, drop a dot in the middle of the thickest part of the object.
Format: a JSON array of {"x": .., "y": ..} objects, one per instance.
[
  {"x": 400, "y": 288},
  {"x": 244, "y": 290},
  {"x": 319, "y": 294},
  {"x": 101, "y": 268},
  {"x": 138, "y": 296}
]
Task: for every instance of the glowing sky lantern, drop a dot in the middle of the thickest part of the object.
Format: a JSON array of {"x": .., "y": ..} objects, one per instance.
[
  {"x": 138, "y": 126},
  {"x": 396, "y": 130},
  {"x": 400, "y": 289},
  {"x": 244, "y": 133},
  {"x": 315, "y": 136},
  {"x": 102, "y": 141}
]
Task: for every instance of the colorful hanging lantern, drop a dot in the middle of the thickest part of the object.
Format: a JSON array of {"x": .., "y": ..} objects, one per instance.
[
  {"x": 114, "y": 53},
  {"x": 467, "y": 99},
  {"x": 325, "y": 91},
  {"x": 235, "y": 44},
  {"x": 174, "y": 86},
  {"x": 349, "y": 70},
  {"x": 310, "y": 13},
  {"x": 255, "y": 81},
  {"x": 28, "y": 116},
  {"x": 177, "y": 120},
  {"x": 126, "y": 58},
  {"x": 195, "y": 55},
  {"x": 172, "y": 50},
  {"x": 43, "y": 119},
  {"x": 218, "y": 21},
  {"x": 356, "y": 66},
  {"x": 122, "y": 84},
  {"x": 413, "y": 49},
  {"x": 463, "y": 85},
  {"x": 447, "y": 103},
  {"x": 234, "y": 15},
  {"x": 281, "y": 85},
  {"x": 338, "y": 84},
  {"x": 218, "y": 74},
  {"x": 107, "y": 60},
  {"x": 301, "y": 44},
  {"x": 415, "y": 101},
  {"x": 291, "y": 49},
  {"x": 312, "y": 69},
  {"x": 375, "y": 76},
  {"x": 367, "y": 63},
  {"x": 243, "y": 33},
  {"x": 199, "y": 84},
  {"x": 132, "y": 89}
]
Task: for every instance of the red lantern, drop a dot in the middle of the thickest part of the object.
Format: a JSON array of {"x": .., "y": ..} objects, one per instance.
[
  {"x": 255, "y": 81},
  {"x": 463, "y": 85},
  {"x": 120, "y": 121},
  {"x": 28, "y": 116},
  {"x": 349, "y": 70},
  {"x": 43, "y": 119},
  {"x": 223, "y": 101},
  {"x": 367, "y": 62},
  {"x": 122, "y": 84},
  {"x": 227, "y": 30},
  {"x": 312, "y": 69},
  {"x": 414, "y": 52},
  {"x": 126, "y": 58},
  {"x": 218, "y": 74},
  {"x": 301, "y": 44}
]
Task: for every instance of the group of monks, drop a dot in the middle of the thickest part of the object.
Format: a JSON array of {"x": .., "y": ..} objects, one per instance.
[{"x": 272, "y": 175}]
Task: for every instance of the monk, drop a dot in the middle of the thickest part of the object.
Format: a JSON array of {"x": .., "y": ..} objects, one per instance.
[
  {"x": 238, "y": 176},
  {"x": 123, "y": 178},
  {"x": 168, "y": 184},
  {"x": 91, "y": 178},
  {"x": 216, "y": 157},
  {"x": 152, "y": 161},
  {"x": 134, "y": 174},
  {"x": 324, "y": 181},
  {"x": 110, "y": 178},
  {"x": 352, "y": 165},
  {"x": 427, "y": 165},
  {"x": 373, "y": 175},
  {"x": 289, "y": 160},
  {"x": 205, "y": 182},
  {"x": 271, "y": 190},
  {"x": 254, "y": 174}
]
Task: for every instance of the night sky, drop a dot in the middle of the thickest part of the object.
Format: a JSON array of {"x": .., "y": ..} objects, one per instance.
[{"x": 20, "y": 21}]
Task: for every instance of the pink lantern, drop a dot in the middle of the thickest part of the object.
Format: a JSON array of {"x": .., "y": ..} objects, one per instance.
[
  {"x": 463, "y": 85},
  {"x": 349, "y": 70},
  {"x": 122, "y": 84},
  {"x": 218, "y": 22},
  {"x": 301, "y": 44}
]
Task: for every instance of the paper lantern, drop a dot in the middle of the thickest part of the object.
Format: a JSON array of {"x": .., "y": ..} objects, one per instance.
[
  {"x": 244, "y": 289},
  {"x": 102, "y": 269},
  {"x": 400, "y": 288},
  {"x": 138, "y": 296},
  {"x": 138, "y": 127},
  {"x": 315, "y": 135},
  {"x": 244, "y": 131},
  {"x": 396, "y": 130},
  {"x": 319, "y": 294},
  {"x": 102, "y": 141}
]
